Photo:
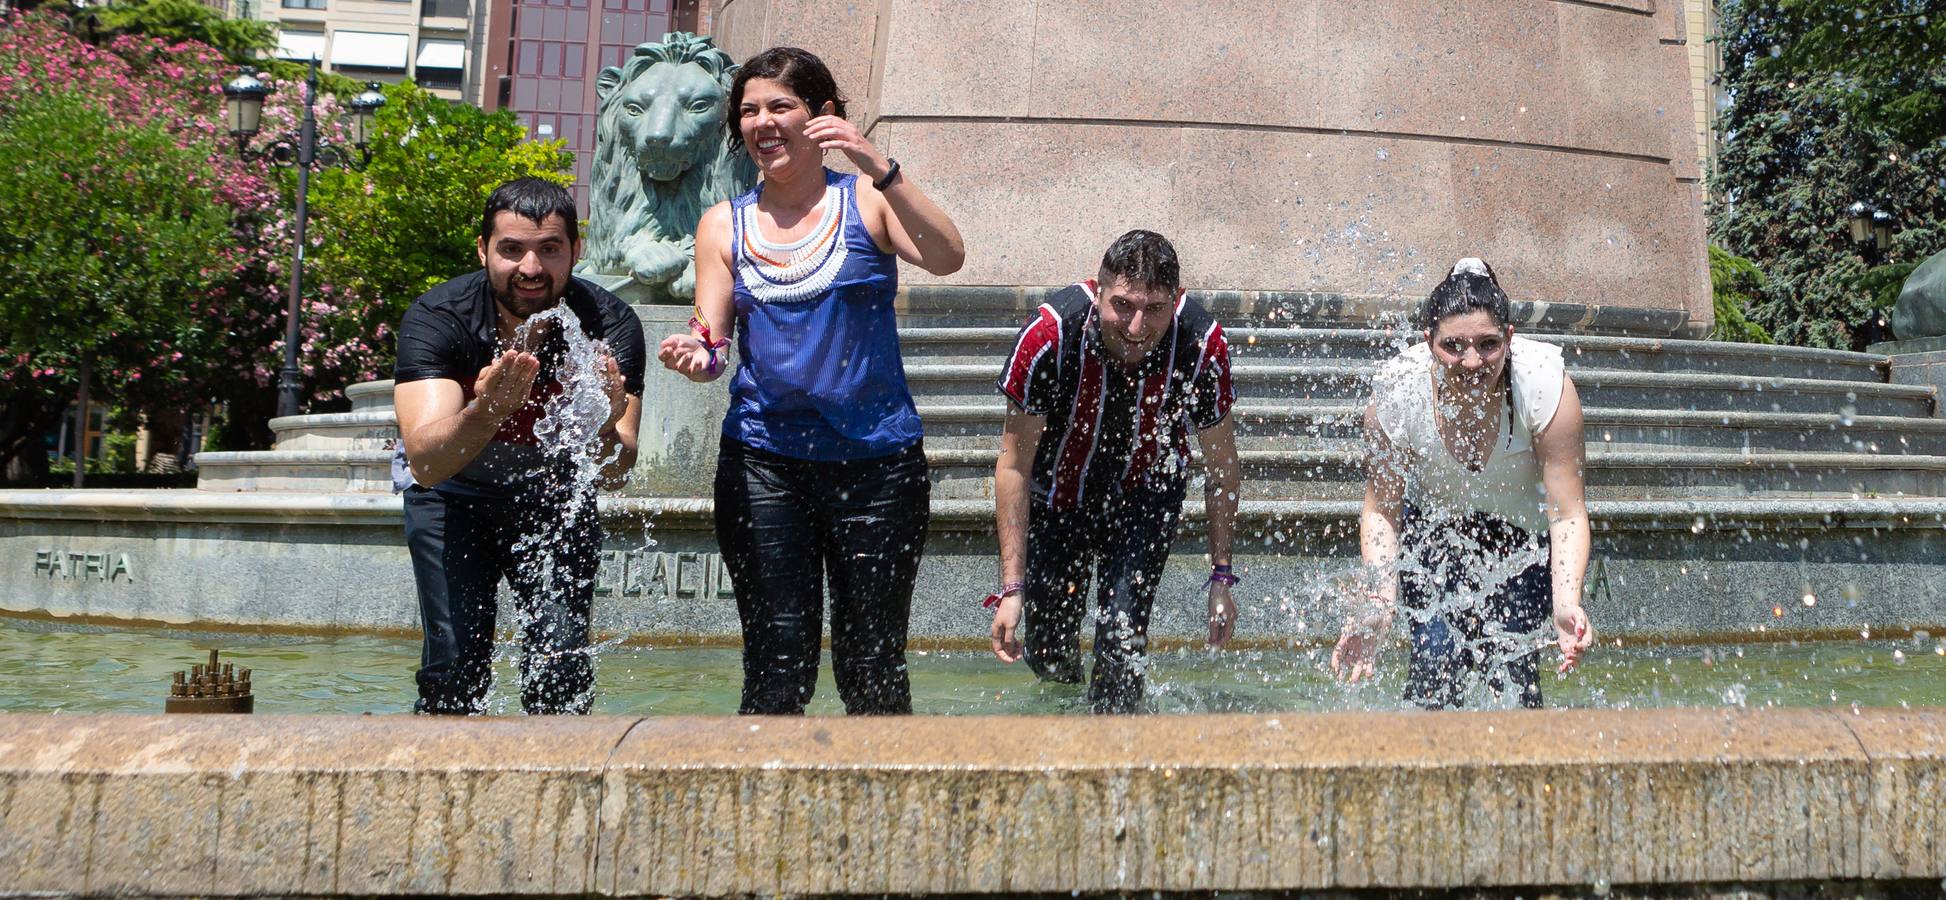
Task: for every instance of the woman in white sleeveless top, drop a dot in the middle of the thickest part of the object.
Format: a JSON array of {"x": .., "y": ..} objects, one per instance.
[{"x": 1473, "y": 497}]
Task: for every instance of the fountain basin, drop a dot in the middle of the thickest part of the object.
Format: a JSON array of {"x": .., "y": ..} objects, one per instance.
[
  {"x": 1695, "y": 568},
  {"x": 1618, "y": 803}
]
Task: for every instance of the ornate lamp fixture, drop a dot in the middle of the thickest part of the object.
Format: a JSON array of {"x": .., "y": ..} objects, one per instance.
[{"x": 244, "y": 95}]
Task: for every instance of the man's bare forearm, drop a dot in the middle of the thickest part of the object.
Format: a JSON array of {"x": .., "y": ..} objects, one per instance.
[
  {"x": 1010, "y": 510},
  {"x": 440, "y": 449},
  {"x": 1220, "y": 505}
]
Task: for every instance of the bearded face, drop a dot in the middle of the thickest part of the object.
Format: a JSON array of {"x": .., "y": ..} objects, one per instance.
[{"x": 528, "y": 263}]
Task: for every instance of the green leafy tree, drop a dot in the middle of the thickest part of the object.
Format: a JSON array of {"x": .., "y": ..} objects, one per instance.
[
  {"x": 1889, "y": 56},
  {"x": 408, "y": 222},
  {"x": 1735, "y": 284},
  {"x": 1794, "y": 158},
  {"x": 106, "y": 226},
  {"x": 176, "y": 21}
]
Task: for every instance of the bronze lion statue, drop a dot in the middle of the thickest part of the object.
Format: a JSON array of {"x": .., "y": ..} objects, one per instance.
[{"x": 661, "y": 159}]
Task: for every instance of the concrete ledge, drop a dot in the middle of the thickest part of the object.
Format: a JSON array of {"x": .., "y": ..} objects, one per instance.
[
  {"x": 1682, "y": 569},
  {"x": 388, "y": 806},
  {"x": 991, "y": 304}
]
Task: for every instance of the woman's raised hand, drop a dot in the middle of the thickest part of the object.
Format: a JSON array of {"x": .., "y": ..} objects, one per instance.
[{"x": 834, "y": 133}]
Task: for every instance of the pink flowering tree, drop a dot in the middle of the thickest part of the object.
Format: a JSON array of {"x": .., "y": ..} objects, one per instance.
[
  {"x": 121, "y": 249},
  {"x": 135, "y": 243}
]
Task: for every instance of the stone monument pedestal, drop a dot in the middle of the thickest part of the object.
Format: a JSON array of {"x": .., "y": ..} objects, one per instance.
[
  {"x": 680, "y": 418},
  {"x": 1919, "y": 361}
]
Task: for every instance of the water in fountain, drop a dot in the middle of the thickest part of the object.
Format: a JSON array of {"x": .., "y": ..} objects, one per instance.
[{"x": 569, "y": 476}]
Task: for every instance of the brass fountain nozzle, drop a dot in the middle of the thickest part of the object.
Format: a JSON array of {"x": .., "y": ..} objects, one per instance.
[{"x": 208, "y": 688}]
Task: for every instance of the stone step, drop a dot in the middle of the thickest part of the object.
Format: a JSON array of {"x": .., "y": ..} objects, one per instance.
[
  {"x": 1334, "y": 426},
  {"x": 1611, "y": 474},
  {"x": 304, "y": 471},
  {"x": 1269, "y": 474},
  {"x": 994, "y": 306},
  {"x": 366, "y": 395},
  {"x": 367, "y": 429},
  {"x": 1337, "y": 425},
  {"x": 963, "y": 383},
  {"x": 989, "y": 346}
]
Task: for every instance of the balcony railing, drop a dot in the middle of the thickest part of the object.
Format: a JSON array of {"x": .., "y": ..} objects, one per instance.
[{"x": 446, "y": 9}]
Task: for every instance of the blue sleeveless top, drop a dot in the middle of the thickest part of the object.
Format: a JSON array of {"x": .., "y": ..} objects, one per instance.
[{"x": 819, "y": 374}]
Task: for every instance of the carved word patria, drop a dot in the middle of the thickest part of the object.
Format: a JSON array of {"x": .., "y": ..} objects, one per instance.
[
  {"x": 68, "y": 564},
  {"x": 687, "y": 576}
]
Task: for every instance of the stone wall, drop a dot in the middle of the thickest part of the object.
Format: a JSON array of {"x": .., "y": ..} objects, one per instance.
[
  {"x": 1609, "y": 803},
  {"x": 1691, "y": 570},
  {"x": 1295, "y": 145}
]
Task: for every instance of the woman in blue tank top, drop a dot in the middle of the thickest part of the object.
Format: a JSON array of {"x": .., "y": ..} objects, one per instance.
[{"x": 821, "y": 473}]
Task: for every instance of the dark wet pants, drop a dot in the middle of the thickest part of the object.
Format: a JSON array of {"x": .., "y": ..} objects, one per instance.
[
  {"x": 1125, "y": 540},
  {"x": 461, "y": 548},
  {"x": 787, "y": 525},
  {"x": 1456, "y": 645}
]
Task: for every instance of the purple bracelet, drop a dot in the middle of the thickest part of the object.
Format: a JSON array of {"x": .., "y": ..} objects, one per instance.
[
  {"x": 1221, "y": 574},
  {"x": 992, "y": 600}
]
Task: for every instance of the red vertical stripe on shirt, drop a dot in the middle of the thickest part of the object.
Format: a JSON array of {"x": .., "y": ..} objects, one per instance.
[
  {"x": 1084, "y": 425},
  {"x": 1146, "y": 445},
  {"x": 1216, "y": 352},
  {"x": 1042, "y": 337}
]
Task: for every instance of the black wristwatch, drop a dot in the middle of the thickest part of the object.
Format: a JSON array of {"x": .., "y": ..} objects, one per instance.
[{"x": 891, "y": 175}]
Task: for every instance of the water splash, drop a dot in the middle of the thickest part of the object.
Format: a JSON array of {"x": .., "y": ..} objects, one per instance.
[{"x": 566, "y": 480}]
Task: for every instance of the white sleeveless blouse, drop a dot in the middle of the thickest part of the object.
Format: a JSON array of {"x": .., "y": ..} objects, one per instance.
[{"x": 1509, "y": 485}]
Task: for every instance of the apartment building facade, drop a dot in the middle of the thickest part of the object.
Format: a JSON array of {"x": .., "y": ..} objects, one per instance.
[
  {"x": 543, "y": 56},
  {"x": 439, "y": 44}
]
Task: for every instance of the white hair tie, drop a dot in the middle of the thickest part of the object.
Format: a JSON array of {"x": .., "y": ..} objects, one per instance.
[{"x": 1470, "y": 266}]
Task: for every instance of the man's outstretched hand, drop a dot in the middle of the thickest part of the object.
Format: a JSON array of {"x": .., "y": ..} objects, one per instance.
[{"x": 504, "y": 384}]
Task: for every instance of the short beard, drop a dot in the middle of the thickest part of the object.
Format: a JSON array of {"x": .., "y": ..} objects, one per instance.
[{"x": 507, "y": 300}]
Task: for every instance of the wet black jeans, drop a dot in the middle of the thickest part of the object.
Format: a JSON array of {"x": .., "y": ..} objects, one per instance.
[
  {"x": 787, "y": 525},
  {"x": 461, "y": 548},
  {"x": 1474, "y": 617},
  {"x": 1126, "y": 542}
]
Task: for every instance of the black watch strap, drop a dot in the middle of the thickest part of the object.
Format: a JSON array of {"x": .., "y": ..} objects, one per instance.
[{"x": 891, "y": 175}]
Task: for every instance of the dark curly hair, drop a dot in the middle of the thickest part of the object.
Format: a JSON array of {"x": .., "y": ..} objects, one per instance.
[
  {"x": 1143, "y": 258},
  {"x": 798, "y": 69},
  {"x": 533, "y": 199}
]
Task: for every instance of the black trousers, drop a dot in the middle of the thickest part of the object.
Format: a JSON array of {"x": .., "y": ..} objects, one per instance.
[
  {"x": 1125, "y": 541},
  {"x": 548, "y": 550},
  {"x": 786, "y": 526},
  {"x": 1473, "y": 620}
]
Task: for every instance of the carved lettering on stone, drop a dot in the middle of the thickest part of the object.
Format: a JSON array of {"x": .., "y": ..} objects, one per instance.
[
  {"x": 720, "y": 575},
  {"x": 53, "y": 562},
  {"x": 689, "y": 575},
  {"x": 662, "y": 575},
  {"x": 605, "y": 572},
  {"x": 639, "y": 573}
]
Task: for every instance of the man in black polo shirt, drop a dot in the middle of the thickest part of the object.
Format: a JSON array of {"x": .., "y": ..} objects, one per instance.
[
  {"x": 1103, "y": 387},
  {"x": 483, "y": 498}
]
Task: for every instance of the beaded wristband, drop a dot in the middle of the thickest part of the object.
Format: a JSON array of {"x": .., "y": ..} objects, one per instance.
[
  {"x": 1012, "y": 587},
  {"x": 701, "y": 328}
]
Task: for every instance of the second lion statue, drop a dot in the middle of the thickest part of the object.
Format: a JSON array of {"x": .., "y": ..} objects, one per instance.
[{"x": 661, "y": 159}]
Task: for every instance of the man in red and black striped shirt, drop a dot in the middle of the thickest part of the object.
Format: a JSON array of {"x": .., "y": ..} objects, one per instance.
[{"x": 1103, "y": 387}]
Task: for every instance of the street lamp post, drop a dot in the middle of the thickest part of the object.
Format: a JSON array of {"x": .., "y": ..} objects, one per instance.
[
  {"x": 1871, "y": 229},
  {"x": 244, "y": 96},
  {"x": 1871, "y": 233}
]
